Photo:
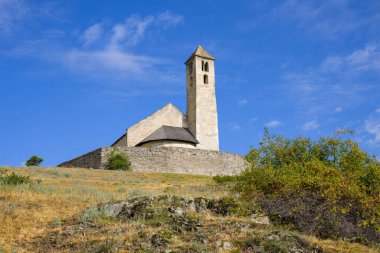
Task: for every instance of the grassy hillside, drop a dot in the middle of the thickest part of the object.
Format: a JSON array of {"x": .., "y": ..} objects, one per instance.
[{"x": 31, "y": 214}]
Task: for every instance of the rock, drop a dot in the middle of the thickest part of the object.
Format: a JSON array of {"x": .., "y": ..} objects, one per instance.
[
  {"x": 111, "y": 209},
  {"x": 275, "y": 235},
  {"x": 227, "y": 246},
  {"x": 262, "y": 220},
  {"x": 158, "y": 241},
  {"x": 183, "y": 223},
  {"x": 137, "y": 207},
  {"x": 176, "y": 210}
]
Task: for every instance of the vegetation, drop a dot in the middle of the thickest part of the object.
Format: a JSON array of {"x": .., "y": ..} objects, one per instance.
[
  {"x": 118, "y": 160},
  {"x": 329, "y": 188},
  {"x": 34, "y": 161},
  {"x": 13, "y": 179},
  {"x": 32, "y": 214}
]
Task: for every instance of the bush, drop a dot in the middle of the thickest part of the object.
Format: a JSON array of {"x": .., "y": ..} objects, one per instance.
[
  {"x": 224, "y": 179},
  {"x": 329, "y": 187},
  {"x": 13, "y": 179},
  {"x": 34, "y": 161},
  {"x": 118, "y": 160}
]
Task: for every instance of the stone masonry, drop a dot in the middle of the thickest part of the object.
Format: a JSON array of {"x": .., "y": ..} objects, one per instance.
[{"x": 167, "y": 160}]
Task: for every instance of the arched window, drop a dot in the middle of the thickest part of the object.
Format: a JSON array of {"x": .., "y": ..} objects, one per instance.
[
  {"x": 205, "y": 79},
  {"x": 203, "y": 65},
  {"x": 206, "y": 66}
]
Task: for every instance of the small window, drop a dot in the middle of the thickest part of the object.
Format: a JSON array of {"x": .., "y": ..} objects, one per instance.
[
  {"x": 206, "y": 66},
  {"x": 205, "y": 79},
  {"x": 203, "y": 65}
]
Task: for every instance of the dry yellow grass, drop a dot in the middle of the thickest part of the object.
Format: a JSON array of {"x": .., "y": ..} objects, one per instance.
[{"x": 27, "y": 210}]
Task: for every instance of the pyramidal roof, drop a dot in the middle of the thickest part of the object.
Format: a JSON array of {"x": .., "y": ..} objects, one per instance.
[{"x": 201, "y": 53}]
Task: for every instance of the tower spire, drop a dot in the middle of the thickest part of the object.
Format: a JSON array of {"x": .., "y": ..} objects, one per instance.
[{"x": 201, "y": 53}]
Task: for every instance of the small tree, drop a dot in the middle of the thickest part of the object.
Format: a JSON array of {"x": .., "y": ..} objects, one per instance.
[
  {"x": 34, "y": 161},
  {"x": 118, "y": 160}
]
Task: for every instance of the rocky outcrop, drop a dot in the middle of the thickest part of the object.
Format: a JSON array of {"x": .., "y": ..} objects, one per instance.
[{"x": 173, "y": 224}]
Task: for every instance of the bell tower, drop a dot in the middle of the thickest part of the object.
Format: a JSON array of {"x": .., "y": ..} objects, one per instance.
[{"x": 201, "y": 101}]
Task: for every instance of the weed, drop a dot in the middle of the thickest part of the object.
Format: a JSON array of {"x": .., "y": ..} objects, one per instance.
[
  {"x": 92, "y": 213},
  {"x": 8, "y": 208}
]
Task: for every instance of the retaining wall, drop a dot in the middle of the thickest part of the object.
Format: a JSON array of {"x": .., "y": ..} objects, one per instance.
[{"x": 166, "y": 159}]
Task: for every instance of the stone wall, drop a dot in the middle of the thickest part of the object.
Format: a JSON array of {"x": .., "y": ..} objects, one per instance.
[
  {"x": 89, "y": 160},
  {"x": 167, "y": 159}
]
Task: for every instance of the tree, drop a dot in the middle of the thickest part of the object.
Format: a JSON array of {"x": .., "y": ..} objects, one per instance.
[
  {"x": 34, "y": 161},
  {"x": 118, "y": 160}
]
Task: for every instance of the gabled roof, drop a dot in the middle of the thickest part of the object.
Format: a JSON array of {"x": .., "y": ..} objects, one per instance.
[
  {"x": 201, "y": 53},
  {"x": 170, "y": 133},
  {"x": 121, "y": 137}
]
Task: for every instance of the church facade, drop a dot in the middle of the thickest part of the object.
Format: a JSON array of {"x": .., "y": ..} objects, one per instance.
[{"x": 169, "y": 127}]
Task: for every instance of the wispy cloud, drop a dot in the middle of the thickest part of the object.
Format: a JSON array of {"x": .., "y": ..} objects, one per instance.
[
  {"x": 377, "y": 110},
  {"x": 319, "y": 19},
  {"x": 11, "y": 11},
  {"x": 93, "y": 34},
  {"x": 365, "y": 59},
  {"x": 337, "y": 81},
  {"x": 372, "y": 126},
  {"x": 233, "y": 126},
  {"x": 242, "y": 102},
  {"x": 273, "y": 124},
  {"x": 105, "y": 52},
  {"x": 310, "y": 125}
]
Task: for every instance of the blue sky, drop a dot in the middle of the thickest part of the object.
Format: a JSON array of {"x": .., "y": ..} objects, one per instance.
[{"x": 75, "y": 74}]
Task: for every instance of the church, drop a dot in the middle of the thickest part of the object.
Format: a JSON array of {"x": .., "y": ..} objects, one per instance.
[
  {"x": 169, "y": 127},
  {"x": 170, "y": 141}
]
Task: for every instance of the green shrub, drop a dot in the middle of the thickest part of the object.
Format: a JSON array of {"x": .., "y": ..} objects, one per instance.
[
  {"x": 329, "y": 187},
  {"x": 118, "y": 160},
  {"x": 34, "y": 161},
  {"x": 13, "y": 179},
  {"x": 224, "y": 179}
]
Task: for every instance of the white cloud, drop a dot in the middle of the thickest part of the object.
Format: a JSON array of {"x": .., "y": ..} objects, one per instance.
[
  {"x": 338, "y": 109},
  {"x": 130, "y": 32},
  {"x": 168, "y": 19},
  {"x": 126, "y": 65},
  {"x": 108, "y": 50},
  {"x": 310, "y": 125},
  {"x": 93, "y": 33},
  {"x": 234, "y": 126},
  {"x": 372, "y": 126},
  {"x": 377, "y": 110},
  {"x": 242, "y": 102},
  {"x": 273, "y": 124},
  {"x": 365, "y": 59}
]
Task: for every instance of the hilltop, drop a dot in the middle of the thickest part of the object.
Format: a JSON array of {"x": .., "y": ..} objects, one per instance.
[{"x": 66, "y": 210}]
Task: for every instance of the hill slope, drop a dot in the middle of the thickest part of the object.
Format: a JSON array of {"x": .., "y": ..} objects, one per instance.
[{"x": 60, "y": 211}]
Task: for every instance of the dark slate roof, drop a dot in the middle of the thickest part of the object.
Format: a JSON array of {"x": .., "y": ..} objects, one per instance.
[
  {"x": 202, "y": 53},
  {"x": 170, "y": 133}
]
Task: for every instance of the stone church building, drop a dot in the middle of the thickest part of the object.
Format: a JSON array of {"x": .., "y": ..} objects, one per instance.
[
  {"x": 169, "y": 127},
  {"x": 170, "y": 141}
]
